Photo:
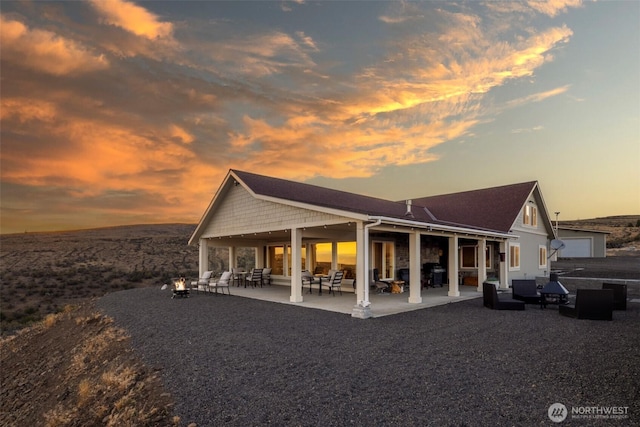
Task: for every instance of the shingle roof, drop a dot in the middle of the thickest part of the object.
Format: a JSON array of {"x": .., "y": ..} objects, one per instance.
[{"x": 493, "y": 208}]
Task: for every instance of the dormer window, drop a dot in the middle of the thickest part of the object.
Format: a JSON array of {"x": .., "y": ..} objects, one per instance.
[{"x": 530, "y": 216}]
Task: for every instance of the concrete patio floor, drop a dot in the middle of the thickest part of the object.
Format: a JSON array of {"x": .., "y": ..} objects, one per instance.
[{"x": 381, "y": 304}]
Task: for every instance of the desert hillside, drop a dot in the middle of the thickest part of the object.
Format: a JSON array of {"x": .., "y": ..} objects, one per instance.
[{"x": 43, "y": 272}]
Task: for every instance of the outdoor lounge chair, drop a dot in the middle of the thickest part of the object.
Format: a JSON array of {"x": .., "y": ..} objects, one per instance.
[
  {"x": 335, "y": 282},
  {"x": 202, "y": 283},
  {"x": 222, "y": 282},
  {"x": 527, "y": 291},
  {"x": 619, "y": 295},
  {"x": 593, "y": 304},
  {"x": 494, "y": 302}
]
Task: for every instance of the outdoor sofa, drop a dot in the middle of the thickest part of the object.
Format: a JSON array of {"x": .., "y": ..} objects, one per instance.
[
  {"x": 593, "y": 304},
  {"x": 495, "y": 302},
  {"x": 527, "y": 291}
]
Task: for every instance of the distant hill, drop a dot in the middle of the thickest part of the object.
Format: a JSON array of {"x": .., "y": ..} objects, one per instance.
[{"x": 624, "y": 231}]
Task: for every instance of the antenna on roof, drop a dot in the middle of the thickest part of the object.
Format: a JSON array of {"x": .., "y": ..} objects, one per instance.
[{"x": 408, "y": 213}]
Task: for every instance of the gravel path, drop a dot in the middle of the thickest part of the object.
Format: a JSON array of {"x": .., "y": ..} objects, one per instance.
[{"x": 243, "y": 362}]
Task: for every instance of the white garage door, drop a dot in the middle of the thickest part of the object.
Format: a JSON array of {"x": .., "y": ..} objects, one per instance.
[{"x": 576, "y": 248}]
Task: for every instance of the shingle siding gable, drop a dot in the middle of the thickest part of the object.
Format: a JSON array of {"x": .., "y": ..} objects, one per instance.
[{"x": 240, "y": 213}]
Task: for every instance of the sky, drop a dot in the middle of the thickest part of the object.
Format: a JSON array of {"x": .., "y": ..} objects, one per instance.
[{"x": 117, "y": 112}]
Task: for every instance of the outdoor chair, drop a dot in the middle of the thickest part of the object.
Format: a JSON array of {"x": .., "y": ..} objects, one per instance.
[
  {"x": 335, "y": 282},
  {"x": 307, "y": 279},
  {"x": 236, "y": 276},
  {"x": 381, "y": 286},
  {"x": 527, "y": 291},
  {"x": 619, "y": 295},
  {"x": 593, "y": 304},
  {"x": 202, "y": 283},
  {"x": 403, "y": 275},
  {"x": 266, "y": 276},
  {"x": 222, "y": 283},
  {"x": 254, "y": 278},
  {"x": 494, "y": 302}
]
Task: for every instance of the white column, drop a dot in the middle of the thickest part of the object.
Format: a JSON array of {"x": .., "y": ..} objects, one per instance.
[
  {"x": 414, "y": 268},
  {"x": 454, "y": 291},
  {"x": 296, "y": 265},
  {"x": 203, "y": 256},
  {"x": 504, "y": 265},
  {"x": 259, "y": 257},
  {"x": 362, "y": 309},
  {"x": 482, "y": 263},
  {"x": 232, "y": 257}
]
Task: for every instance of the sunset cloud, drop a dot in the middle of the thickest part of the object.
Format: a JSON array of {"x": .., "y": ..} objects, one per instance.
[
  {"x": 132, "y": 18},
  {"x": 140, "y": 108},
  {"x": 46, "y": 51}
]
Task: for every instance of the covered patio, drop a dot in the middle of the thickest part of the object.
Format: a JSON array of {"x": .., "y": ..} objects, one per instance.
[{"x": 381, "y": 304}]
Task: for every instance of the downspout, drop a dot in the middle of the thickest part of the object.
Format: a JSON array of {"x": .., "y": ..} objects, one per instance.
[{"x": 367, "y": 285}]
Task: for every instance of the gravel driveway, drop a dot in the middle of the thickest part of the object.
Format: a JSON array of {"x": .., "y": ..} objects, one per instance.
[{"x": 242, "y": 362}]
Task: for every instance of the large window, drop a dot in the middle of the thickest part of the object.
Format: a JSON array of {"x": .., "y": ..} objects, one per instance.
[
  {"x": 276, "y": 260},
  {"x": 542, "y": 255},
  {"x": 514, "y": 256},
  {"x": 347, "y": 258}
]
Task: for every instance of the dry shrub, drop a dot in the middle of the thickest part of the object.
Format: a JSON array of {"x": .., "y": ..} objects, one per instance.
[
  {"x": 120, "y": 378},
  {"x": 50, "y": 320},
  {"x": 86, "y": 392},
  {"x": 59, "y": 417}
]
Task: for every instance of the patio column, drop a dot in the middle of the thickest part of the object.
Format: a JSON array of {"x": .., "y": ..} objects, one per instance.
[
  {"x": 232, "y": 257},
  {"x": 482, "y": 263},
  {"x": 362, "y": 309},
  {"x": 203, "y": 256},
  {"x": 259, "y": 257},
  {"x": 414, "y": 268},
  {"x": 296, "y": 265},
  {"x": 504, "y": 265},
  {"x": 454, "y": 291}
]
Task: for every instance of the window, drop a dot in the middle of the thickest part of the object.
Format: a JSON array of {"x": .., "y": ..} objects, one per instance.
[
  {"x": 276, "y": 260},
  {"x": 514, "y": 256},
  {"x": 347, "y": 258},
  {"x": 530, "y": 216},
  {"x": 469, "y": 257},
  {"x": 542, "y": 262}
]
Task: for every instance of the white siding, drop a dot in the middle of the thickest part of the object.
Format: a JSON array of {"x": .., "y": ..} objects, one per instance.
[{"x": 241, "y": 213}]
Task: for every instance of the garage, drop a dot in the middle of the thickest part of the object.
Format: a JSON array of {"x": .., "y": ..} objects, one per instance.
[{"x": 576, "y": 248}]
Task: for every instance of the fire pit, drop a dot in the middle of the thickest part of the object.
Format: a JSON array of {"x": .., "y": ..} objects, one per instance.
[{"x": 553, "y": 292}]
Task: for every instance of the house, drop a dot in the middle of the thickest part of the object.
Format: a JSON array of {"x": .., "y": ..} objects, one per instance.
[
  {"x": 427, "y": 241},
  {"x": 580, "y": 243}
]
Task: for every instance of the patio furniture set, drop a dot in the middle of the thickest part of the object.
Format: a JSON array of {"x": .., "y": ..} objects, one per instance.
[
  {"x": 209, "y": 283},
  {"x": 594, "y": 304}
]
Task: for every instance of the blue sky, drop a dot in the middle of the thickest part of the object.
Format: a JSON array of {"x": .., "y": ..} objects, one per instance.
[{"x": 116, "y": 112}]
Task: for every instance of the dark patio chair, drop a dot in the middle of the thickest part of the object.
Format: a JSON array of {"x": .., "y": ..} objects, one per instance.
[
  {"x": 619, "y": 295},
  {"x": 527, "y": 291},
  {"x": 335, "y": 282},
  {"x": 494, "y": 302},
  {"x": 593, "y": 304},
  {"x": 255, "y": 278}
]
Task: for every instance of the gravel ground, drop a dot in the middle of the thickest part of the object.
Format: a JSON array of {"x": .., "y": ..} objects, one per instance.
[{"x": 242, "y": 362}]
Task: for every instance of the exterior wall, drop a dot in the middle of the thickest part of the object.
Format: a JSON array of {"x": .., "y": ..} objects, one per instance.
[
  {"x": 241, "y": 213},
  {"x": 598, "y": 241},
  {"x": 530, "y": 239}
]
